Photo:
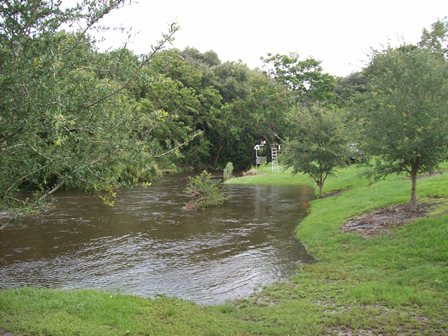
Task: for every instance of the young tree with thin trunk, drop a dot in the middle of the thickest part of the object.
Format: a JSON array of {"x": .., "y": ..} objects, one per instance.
[
  {"x": 405, "y": 112},
  {"x": 317, "y": 143}
]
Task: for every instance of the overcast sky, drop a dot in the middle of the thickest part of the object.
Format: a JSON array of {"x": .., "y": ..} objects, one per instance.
[{"x": 340, "y": 33}]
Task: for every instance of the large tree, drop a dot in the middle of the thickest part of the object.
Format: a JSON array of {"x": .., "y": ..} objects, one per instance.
[
  {"x": 304, "y": 78},
  {"x": 317, "y": 142},
  {"x": 67, "y": 117},
  {"x": 406, "y": 112}
]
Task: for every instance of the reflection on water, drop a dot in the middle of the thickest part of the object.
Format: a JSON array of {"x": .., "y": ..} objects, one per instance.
[{"x": 147, "y": 244}]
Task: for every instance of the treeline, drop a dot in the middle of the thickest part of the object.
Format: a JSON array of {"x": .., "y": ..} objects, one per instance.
[{"x": 74, "y": 117}]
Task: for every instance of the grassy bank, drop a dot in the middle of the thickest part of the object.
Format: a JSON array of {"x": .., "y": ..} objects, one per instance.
[{"x": 395, "y": 283}]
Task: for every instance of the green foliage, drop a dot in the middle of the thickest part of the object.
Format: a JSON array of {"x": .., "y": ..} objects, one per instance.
[
  {"x": 405, "y": 111},
  {"x": 76, "y": 118},
  {"x": 73, "y": 117},
  {"x": 228, "y": 171},
  {"x": 350, "y": 87},
  {"x": 68, "y": 114},
  {"x": 231, "y": 104},
  {"x": 205, "y": 192},
  {"x": 264, "y": 106},
  {"x": 252, "y": 106},
  {"x": 436, "y": 39},
  {"x": 317, "y": 142},
  {"x": 305, "y": 79}
]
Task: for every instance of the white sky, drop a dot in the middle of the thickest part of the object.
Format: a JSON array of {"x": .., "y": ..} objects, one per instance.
[{"x": 340, "y": 33}]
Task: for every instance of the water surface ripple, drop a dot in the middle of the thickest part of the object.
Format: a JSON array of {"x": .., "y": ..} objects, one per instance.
[{"x": 148, "y": 245}]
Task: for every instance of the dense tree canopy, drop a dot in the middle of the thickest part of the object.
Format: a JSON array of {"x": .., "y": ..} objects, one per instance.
[
  {"x": 305, "y": 78},
  {"x": 66, "y": 114},
  {"x": 74, "y": 117},
  {"x": 233, "y": 106}
]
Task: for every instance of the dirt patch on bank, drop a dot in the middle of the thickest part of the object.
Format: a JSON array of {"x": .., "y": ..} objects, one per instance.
[
  {"x": 335, "y": 192},
  {"x": 382, "y": 220}
]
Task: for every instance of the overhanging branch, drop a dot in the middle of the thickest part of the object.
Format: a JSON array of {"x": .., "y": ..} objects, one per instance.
[{"x": 166, "y": 38}]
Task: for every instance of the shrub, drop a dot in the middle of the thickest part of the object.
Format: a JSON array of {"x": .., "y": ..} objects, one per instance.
[
  {"x": 228, "y": 171},
  {"x": 204, "y": 192}
]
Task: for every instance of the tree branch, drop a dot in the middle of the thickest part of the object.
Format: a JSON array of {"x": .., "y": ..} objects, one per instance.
[
  {"x": 6, "y": 137},
  {"x": 56, "y": 188},
  {"x": 167, "y": 38},
  {"x": 25, "y": 176},
  {"x": 103, "y": 12},
  {"x": 62, "y": 181},
  {"x": 180, "y": 145}
]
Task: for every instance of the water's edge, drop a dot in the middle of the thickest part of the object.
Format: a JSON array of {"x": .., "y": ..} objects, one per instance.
[{"x": 148, "y": 245}]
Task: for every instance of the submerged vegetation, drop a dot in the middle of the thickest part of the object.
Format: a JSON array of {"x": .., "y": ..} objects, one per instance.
[
  {"x": 227, "y": 171},
  {"x": 204, "y": 191}
]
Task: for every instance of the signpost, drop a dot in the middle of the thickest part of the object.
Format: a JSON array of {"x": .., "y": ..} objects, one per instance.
[
  {"x": 259, "y": 159},
  {"x": 275, "y": 149}
]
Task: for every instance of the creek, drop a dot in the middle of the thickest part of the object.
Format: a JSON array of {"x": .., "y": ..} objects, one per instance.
[{"x": 148, "y": 244}]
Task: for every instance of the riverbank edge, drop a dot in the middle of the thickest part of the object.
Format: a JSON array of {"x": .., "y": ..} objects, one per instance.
[{"x": 359, "y": 285}]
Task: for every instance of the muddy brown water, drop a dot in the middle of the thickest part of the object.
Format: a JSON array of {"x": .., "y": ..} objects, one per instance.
[{"x": 148, "y": 245}]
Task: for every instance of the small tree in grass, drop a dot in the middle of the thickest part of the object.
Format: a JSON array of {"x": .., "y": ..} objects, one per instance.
[
  {"x": 406, "y": 112},
  {"x": 317, "y": 142}
]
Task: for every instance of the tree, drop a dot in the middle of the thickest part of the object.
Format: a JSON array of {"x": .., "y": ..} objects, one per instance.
[
  {"x": 67, "y": 117},
  {"x": 176, "y": 82},
  {"x": 436, "y": 39},
  {"x": 267, "y": 101},
  {"x": 305, "y": 78},
  {"x": 350, "y": 87},
  {"x": 405, "y": 112},
  {"x": 252, "y": 113},
  {"x": 317, "y": 142},
  {"x": 208, "y": 58}
]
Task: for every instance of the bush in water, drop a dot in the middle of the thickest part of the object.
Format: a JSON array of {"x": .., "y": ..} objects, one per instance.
[
  {"x": 228, "y": 171},
  {"x": 204, "y": 192}
]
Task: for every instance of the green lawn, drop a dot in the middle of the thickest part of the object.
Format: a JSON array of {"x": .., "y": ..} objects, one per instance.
[{"x": 395, "y": 283}]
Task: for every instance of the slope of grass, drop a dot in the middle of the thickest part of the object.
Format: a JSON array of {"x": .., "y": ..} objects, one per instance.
[
  {"x": 391, "y": 283},
  {"x": 395, "y": 283},
  {"x": 31, "y": 311},
  {"x": 342, "y": 179}
]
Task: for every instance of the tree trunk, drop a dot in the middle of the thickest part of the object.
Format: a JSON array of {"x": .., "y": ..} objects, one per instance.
[
  {"x": 413, "y": 203},
  {"x": 217, "y": 154},
  {"x": 55, "y": 188},
  {"x": 321, "y": 187}
]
